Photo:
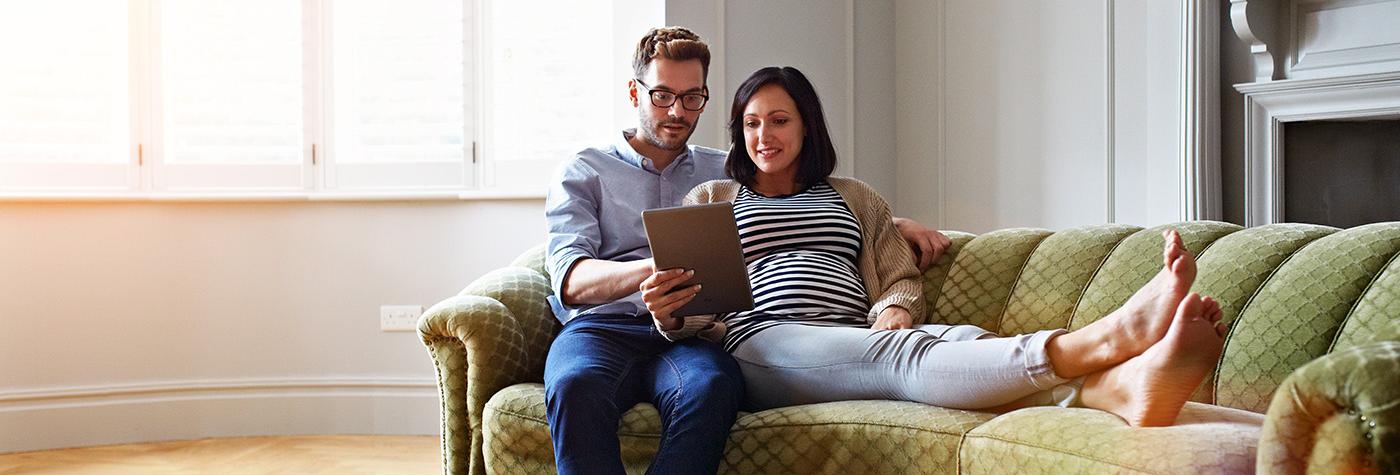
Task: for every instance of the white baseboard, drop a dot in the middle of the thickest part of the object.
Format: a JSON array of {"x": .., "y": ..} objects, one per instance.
[{"x": 130, "y": 413}]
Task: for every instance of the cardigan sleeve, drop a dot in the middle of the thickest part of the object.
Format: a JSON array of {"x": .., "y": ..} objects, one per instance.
[{"x": 899, "y": 280}]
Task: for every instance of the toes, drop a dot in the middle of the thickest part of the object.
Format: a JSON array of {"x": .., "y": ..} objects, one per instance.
[
  {"x": 1221, "y": 329},
  {"x": 1178, "y": 266},
  {"x": 1171, "y": 247},
  {"x": 1212, "y": 309},
  {"x": 1190, "y": 307}
]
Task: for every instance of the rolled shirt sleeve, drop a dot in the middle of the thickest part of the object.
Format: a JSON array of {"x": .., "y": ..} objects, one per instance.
[{"x": 571, "y": 213}]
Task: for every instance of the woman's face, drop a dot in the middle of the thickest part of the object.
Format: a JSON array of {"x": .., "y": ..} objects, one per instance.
[{"x": 773, "y": 131}]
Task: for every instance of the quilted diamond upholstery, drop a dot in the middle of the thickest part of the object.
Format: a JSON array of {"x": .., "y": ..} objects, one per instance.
[
  {"x": 1056, "y": 276},
  {"x": 1234, "y": 268},
  {"x": 981, "y": 277},
  {"x": 1134, "y": 262},
  {"x": 532, "y": 259},
  {"x": 1375, "y": 315},
  {"x": 1047, "y": 440},
  {"x": 849, "y": 437},
  {"x": 937, "y": 274},
  {"x": 1292, "y": 293},
  {"x": 517, "y": 434},
  {"x": 1337, "y": 414},
  {"x": 1296, "y": 314},
  {"x": 494, "y": 334}
]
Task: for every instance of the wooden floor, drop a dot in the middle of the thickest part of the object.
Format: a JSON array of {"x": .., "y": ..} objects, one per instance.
[{"x": 349, "y": 454}]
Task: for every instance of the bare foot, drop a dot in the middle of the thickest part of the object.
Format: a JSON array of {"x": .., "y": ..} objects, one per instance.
[
  {"x": 1211, "y": 312},
  {"x": 1144, "y": 319},
  {"x": 1150, "y": 389}
]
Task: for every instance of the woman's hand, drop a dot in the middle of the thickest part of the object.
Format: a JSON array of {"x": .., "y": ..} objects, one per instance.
[
  {"x": 893, "y": 318},
  {"x": 928, "y": 244},
  {"x": 656, "y": 292}
]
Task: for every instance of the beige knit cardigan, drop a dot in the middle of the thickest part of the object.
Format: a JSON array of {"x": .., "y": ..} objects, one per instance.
[{"x": 886, "y": 263}]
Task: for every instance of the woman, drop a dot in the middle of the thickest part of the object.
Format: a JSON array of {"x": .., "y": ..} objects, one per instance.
[{"x": 836, "y": 295}]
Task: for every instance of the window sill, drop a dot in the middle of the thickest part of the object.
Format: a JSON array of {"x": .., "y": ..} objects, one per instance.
[{"x": 246, "y": 196}]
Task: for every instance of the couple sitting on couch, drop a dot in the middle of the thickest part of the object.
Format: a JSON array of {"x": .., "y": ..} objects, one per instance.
[{"x": 836, "y": 287}]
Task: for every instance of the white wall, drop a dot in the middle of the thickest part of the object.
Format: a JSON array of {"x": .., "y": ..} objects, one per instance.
[
  {"x": 128, "y": 322},
  {"x": 845, "y": 47},
  {"x": 1045, "y": 114}
]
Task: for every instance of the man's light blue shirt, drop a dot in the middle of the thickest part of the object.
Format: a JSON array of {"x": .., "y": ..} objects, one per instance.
[{"x": 594, "y": 210}]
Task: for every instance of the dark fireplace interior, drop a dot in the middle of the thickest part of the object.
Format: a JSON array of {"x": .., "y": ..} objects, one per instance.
[{"x": 1341, "y": 173}]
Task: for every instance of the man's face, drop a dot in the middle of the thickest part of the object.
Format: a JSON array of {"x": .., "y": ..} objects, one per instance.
[{"x": 668, "y": 128}]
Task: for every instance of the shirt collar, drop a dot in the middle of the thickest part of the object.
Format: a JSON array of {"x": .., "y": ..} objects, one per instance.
[{"x": 630, "y": 155}]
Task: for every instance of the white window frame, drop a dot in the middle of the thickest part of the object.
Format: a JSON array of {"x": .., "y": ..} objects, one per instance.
[
  {"x": 146, "y": 175},
  {"x": 410, "y": 176},
  {"x": 499, "y": 174},
  {"x": 74, "y": 178}
]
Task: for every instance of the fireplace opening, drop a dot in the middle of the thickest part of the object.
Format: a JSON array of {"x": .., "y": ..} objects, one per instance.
[{"x": 1342, "y": 173}]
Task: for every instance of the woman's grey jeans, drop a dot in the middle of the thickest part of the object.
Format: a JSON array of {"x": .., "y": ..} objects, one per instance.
[{"x": 960, "y": 367}]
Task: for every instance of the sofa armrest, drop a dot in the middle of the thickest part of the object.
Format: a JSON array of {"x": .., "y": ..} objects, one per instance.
[
  {"x": 495, "y": 333},
  {"x": 1339, "y": 413}
]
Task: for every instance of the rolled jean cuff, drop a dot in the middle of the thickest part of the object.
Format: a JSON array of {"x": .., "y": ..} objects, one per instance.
[{"x": 1038, "y": 369}]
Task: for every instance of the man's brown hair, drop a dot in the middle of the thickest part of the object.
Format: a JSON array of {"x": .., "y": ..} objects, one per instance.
[{"x": 674, "y": 43}]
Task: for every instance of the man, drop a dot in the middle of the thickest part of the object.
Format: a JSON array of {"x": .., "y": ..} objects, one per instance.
[{"x": 609, "y": 356}]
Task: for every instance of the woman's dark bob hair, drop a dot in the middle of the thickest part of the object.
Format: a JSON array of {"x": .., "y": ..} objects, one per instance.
[{"x": 818, "y": 156}]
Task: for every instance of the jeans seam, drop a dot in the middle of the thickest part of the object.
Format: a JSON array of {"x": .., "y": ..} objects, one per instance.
[{"x": 666, "y": 427}]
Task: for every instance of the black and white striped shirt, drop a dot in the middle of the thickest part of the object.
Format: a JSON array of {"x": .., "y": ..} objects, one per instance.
[{"x": 801, "y": 252}]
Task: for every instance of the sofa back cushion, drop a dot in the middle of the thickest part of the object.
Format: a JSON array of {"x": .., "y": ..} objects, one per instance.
[
  {"x": 1332, "y": 287},
  {"x": 1290, "y": 292}
]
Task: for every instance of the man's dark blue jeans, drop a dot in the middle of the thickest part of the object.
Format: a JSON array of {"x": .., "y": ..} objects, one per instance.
[{"x": 601, "y": 365}]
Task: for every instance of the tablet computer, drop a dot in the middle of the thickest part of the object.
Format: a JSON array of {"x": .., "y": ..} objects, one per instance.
[{"x": 704, "y": 238}]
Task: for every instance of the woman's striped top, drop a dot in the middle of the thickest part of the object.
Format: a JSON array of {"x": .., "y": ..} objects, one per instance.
[{"x": 801, "y": 251}]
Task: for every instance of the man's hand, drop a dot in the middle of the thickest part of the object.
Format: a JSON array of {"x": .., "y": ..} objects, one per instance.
[
  {"x": 893, "y": 318},
  {"x": 928, "y": 244},
  {"x": 656, "y": 292}
]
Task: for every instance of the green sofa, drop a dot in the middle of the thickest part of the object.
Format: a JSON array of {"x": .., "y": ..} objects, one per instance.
[{"x": 1309, "y": 380}]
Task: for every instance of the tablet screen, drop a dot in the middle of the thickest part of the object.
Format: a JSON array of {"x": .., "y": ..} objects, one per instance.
[{"x": 704, "y": 238}]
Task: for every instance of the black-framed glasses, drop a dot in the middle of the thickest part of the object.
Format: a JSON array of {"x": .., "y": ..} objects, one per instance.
[{"x": 692, "y": 102}]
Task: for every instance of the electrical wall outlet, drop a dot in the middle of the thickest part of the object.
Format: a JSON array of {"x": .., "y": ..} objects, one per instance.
[{"x": 399, "y": 318}]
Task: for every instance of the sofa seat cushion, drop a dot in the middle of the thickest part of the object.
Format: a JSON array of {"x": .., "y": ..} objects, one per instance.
[
  {"x": 516, "y": 433},
  {"x": 838, "y": 437},
  {"x": 1205, "y": 439},
  {"x": 849, "y": 437}
]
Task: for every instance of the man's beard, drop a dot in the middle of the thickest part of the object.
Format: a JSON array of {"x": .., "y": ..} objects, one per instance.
[{"x": 650, "y": 133}]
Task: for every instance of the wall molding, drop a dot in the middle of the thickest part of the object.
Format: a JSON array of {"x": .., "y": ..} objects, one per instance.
[
  {"x": 942, "y": 98},
  {"x": 73, "y": 416},
  {"x": 11, "y": 400},
  {"x": 1258, "y": 34},
  {"x": 1200, "y": 111},
  {"x": 850, "y": 133},
  {"x": 1110, "y": 112},
  {"x": 1360, "y": 48},
  {"x": 1269, "y": 105},
  {"x": 717, "y": 70}
]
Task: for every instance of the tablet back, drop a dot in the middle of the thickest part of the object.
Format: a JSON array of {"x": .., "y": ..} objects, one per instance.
[{"x": 706, "y": 239}]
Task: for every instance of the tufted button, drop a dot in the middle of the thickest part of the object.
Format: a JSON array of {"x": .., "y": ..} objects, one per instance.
[
  {"x": 1368, "y": 436},
  {"x": 1363, "y": 418},
  {"x": 1351, "y": 411},
  {"x": 1372, "y": 424}
]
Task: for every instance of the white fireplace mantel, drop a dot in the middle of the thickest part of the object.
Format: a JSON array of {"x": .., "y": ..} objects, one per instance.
[
  {"x": 1313, "y": 60},
  {"x": 1269, "y": 105}
]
